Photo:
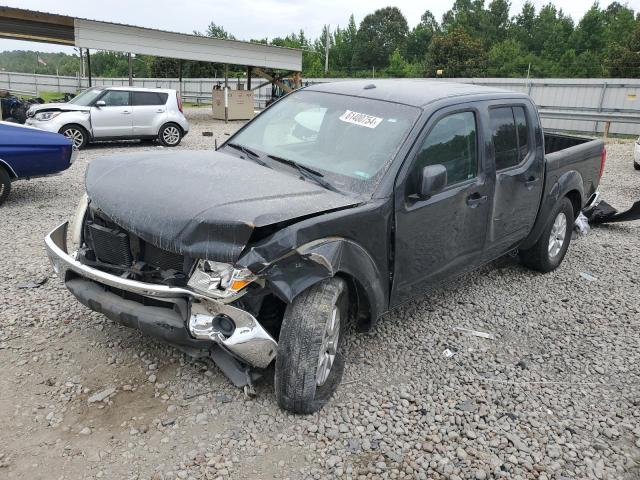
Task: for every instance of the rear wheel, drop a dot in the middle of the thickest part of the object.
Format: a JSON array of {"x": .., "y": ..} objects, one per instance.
[
  {"x": 310, "y": 362},
  {"x": 636, "y": 165},
  {"x": 170, "y": 135},
  {"x": 549, "y": 251},
  {"x": 5, "y": 185},
  {"x": 78, "y": 135}
]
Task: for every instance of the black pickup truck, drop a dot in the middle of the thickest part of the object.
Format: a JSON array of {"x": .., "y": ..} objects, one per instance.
[{"x": 336, "y": 204}]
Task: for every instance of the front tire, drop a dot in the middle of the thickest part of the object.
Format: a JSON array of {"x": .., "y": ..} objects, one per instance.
[
  {"x": 78, "y": 135},
  {"x": 5, "y": 185},
  {"x": 549, "y": 251},
  {"x": 636, "y": 165},
  {"x": 170, "y": 135},
  {"x": 310, "y": 361}
]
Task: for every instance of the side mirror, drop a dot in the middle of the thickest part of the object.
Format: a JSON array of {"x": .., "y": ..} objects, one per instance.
[
  {"x": 100, "y": 103},
  {"x": 433, "y": 179}
]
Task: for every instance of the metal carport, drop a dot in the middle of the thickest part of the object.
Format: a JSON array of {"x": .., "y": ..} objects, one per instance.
[{"x": 22, "y": 24}]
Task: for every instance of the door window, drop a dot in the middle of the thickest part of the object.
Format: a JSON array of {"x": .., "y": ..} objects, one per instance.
[
  {"x": 149, "y": 98},
  {"x": 452, "y": 143},
  {"x": 510, "y": 136},
  {"x": 116, "y": 98}
]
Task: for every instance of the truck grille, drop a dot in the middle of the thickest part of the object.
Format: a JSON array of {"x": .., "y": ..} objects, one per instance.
[
  {"x": 111, "y": 245},
  {"x": 162, "y": 259}
]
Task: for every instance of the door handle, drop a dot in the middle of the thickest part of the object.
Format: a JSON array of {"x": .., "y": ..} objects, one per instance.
[
  {"x": 530, "y": 182},
  {"x": 125, "y": 112},
  {"x": 160, "y": 110},
  {"x": 476, "y": 199}
]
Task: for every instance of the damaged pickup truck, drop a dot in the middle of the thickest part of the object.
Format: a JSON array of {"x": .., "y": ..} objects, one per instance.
[{"x": 336, "y": 204}]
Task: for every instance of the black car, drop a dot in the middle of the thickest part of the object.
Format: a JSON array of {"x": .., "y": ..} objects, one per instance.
[{"x": 337, "y": 203}]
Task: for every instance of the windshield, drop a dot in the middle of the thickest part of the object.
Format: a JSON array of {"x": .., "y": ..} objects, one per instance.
[
  {"x": 87, "y": 97},
  {"x": 349, "y": 140}
]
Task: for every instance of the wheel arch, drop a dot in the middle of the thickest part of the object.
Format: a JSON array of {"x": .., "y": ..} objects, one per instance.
[
  {"x": 7, "y": 168},
  {"x": 79, "y": 125},
  {"x": 313, "y": 262},
  {"x": 569, "y": 185}
]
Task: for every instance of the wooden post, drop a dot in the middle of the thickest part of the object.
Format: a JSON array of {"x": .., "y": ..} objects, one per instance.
[{"x": 606, "y": 130}]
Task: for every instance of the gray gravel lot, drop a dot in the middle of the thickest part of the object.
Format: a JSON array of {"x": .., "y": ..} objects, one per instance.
[{"x": 554, "y": 396}]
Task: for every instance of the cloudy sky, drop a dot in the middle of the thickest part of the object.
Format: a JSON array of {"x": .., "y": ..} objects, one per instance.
[{"x": 249, "y": 18}]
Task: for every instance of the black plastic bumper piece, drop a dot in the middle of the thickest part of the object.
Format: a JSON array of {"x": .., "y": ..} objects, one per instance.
[{"x": 167, "y": 324}]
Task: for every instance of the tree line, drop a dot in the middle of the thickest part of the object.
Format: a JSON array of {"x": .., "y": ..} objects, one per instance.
[{"x": 473, "y": 39}]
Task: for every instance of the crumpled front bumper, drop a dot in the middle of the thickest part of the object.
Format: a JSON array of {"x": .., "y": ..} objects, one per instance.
[{"x": 249, "y": 342}]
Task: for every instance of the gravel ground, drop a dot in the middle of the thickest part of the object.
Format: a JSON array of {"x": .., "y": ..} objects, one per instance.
[{"x": 555, "y": 395}]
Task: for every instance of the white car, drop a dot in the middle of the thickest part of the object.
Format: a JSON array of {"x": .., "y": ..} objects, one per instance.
[
  {"x": 636, "y": 154},
  {"x": 114, "y": 113}
]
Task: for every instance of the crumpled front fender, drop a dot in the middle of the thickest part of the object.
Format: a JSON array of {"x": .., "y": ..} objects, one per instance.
[{"x": 308, "y": 264}]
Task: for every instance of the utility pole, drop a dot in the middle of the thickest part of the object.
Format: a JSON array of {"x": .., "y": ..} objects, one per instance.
[
  {"x": 326, "y": 49},
  {"x": 130, "y": 70}
]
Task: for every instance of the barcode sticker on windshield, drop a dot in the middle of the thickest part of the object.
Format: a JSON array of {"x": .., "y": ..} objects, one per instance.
[{"x": 360, "y": 119}]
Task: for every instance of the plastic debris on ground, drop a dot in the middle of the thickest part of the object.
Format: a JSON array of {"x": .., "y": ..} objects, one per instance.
[
  {"x": 34, "y": 284},
  {"x": 587, "y": 276},
  {"x": 581, "y": 226},
  {"x": 602, "y": 212},
  {"x": 448, "y": 353},
  {"x": 475, "y": 333}
]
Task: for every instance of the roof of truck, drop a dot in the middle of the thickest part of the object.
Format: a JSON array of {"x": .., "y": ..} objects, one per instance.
[{"x": 415, "y": 92}]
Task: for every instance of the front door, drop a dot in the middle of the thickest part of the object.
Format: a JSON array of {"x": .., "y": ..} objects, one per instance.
[
  {"x": 113, "y": 119},
  {"x": 442, "y": 236},
  {"x": 519, "y": 175}
]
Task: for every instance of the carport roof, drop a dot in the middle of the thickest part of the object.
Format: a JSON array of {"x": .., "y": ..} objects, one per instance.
[{"x": 22, "y": 24}]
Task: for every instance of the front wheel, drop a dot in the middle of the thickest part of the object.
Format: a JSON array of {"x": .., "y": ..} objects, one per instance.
[
  {"x": 549, "y": 251},
  {"x": 310, "y": 362},
  {"x": 170, "y": 135},
  {"x": 78, "y": 135}
]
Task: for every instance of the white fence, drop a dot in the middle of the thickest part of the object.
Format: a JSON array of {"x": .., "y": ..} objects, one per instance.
[{"x": 582, "y": 105}]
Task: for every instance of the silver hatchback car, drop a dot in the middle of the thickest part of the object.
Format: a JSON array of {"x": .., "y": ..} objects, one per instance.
[{"x": 115, "y": 113}]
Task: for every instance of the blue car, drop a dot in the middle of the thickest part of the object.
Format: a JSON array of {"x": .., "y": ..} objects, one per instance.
[{"x": 28, "y": 153}]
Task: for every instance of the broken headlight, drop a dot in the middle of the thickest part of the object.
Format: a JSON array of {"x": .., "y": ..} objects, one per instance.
[{"x": 219, "y": 279}]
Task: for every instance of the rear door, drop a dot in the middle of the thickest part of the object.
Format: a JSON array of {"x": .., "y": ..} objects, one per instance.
[
  {"x": 149, "y": 110},
  {"x": 114, "y": 118},
  {"x": 519, "y": 174},
  {"x": 442, "y": 236}
]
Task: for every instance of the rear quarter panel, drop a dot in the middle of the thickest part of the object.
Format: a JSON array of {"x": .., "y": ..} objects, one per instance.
[{"x": 573, "y": 169}]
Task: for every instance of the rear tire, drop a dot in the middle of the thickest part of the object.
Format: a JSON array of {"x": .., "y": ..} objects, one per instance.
[
  {"x": 170, "y": 135},
  {"x": 549, "y": 251},
  {"x": 5, "y": 185},
  {"x": 310, "y": 362},
  {"x": 636, "y": 165},
  {"x": 78, "y": 135}
]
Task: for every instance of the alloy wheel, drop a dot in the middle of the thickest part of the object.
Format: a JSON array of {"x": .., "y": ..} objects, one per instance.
[
  {"x": 329, "y": 347},
  {"x": 171, "y": 135},
  {"x": 76, "y": 136},
  {"x": 557, "y": 235}
]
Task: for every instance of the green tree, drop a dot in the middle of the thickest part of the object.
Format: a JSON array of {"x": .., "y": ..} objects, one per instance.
[
  {"x": 379, "y": 35},
  {"x": 457, "y": 54},
  {"x": 419, "y": 38}
]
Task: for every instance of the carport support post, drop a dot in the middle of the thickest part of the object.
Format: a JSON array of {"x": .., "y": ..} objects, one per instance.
[
  {"x": 89, "y": 66},
  {"x": 130, "y": 70},
  {"x": 249, "y": 78},
  {"x": 226, "y": 93}
]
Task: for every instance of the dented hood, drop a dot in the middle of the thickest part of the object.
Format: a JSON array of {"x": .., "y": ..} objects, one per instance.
[
  {"x": 65, "y": 107},
  {"x": 203, "y": 204}
]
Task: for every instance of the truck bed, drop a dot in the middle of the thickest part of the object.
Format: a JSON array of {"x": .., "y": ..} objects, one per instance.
[{"x": 564, "y": 153}]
